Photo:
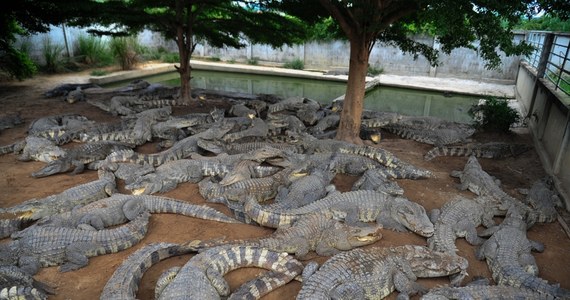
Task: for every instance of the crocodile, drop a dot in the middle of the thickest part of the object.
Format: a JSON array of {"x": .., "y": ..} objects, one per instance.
[
  {"x": 182, "y": 149},
  {"x": 261, "y": 188},
  {"x": 10, "y": 120},
  {"x": 75, "y": 96},
  {"x": 497, "y": 150},
  {"x": 124, "y": 283},
  {"x": 82, "y": 194},
  {"x": 484, "y": 292},
  {"x": 77, "y": 158},
  {"x": 64, "y": 89},
  {"x": 310, "y": 116},
  {"x": 438, "y": 137},
  {"x": 241, "y": 110},
  {"x": 140, "y": 133},
  {"x": 285, "y": 104},
  {"x": 396, "y": 213},
  {"x": 327, "y": 122},
  {"x": 543, "y": 199},
  {"x": 374, "y": 273},
  {"x": 304, "y": 190},
  {"x": 22, "y": 292},
  {"x": 508, "y": 255},
  {"x": 9, "y": 226},
  {"x": 40, "y": 149},
  {"x": 257, "y": 128},
  {"x": 375, "y": 179},
  {"x": 62, "y": 121},
  {"x": 69, "y": 247},
  {"x": 314, "y": 232},
  {"x": 168, "y": 175},
  {"x": 218, "y": 147},
  {"x": 120, "y": 208},
  {"x": 459, "y": 217},
  {"x": 130, "y": 172},
  {"x": 476, "y": 180},
  {"x": 12, "y": 276},
  {"x": 202, "y": 276}
]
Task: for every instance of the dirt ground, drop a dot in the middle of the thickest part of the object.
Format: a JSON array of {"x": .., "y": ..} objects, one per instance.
[{"x": 17, "y": 185}]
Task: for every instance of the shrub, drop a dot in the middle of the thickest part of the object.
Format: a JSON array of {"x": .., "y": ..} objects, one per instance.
[
  {"x": 214, "y": 58},
  {"x": 170, "y": 57},
  {"x": 99, "y": 72},
  {"x": 494, "y": 115},
  {"x": 373, "y": 71},
  {"x": 252, "y": 61},
  {"x": 93, "y": 50},
  {"x": 52, "y": 54},
  {"x": 296, "y": 64},
  {"x": 126, "y": 50}
]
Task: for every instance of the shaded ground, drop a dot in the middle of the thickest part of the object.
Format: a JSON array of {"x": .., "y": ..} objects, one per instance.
[{"x": 17, "y": 185}]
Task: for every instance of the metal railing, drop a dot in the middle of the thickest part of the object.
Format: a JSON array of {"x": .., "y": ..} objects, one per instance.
[{"x": 557, "y": 66}]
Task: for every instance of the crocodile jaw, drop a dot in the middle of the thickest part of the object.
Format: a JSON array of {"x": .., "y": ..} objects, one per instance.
[
  {"x": 364, "y": 236},
  {"x": 138, "y": 191}
]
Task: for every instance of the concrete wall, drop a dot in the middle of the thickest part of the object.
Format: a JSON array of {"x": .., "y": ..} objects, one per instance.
[
  {"x": 460, "y": 63},
  {"x": 549, "y": 120}
]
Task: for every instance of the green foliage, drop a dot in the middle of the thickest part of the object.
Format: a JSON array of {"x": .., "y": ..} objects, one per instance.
[
  {"x": 324, "y": 30},
  {"x": 171, "y": 57},
  {"x": 99, "y": 72},
  {"x": 494, "y": 115},
  {"x": 93, "y": 51},
  {"x": 15, "y": 62},
  {"x": 252, "y": 61},
  {"x": 373, "y": 71},
  {"x": 52, "y": 55},
  {"x": 231, "y": 61},
  {"x": 546, "y": 22},
  {"x": 297, "y": 64},
  {"x": 126, "y": 51},
  {"x": 214, "y": 58}
]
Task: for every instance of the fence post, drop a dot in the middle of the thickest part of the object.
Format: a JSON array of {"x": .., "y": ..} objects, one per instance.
[
  {"x": 433, "y": 69},
  {"x": 541, "y": 68}
]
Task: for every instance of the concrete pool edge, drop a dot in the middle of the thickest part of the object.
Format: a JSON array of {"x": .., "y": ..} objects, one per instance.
[{"x": 449, "y": 85}]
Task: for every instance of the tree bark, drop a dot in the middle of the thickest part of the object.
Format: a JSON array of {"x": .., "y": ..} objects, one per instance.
[
  {"x": 350, "y": 118},
  {"x": 185, "y": 75}
]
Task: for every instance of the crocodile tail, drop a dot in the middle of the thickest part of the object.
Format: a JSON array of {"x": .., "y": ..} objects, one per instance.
[
  {"x": 434, "y": 152},
  {"x": 157, "y": 204},
  {"x": 124, "y": 237},
  {"x": 265, "y": 217},
  {"x": 261, "y": 286},
  {"x": 7, "y": 149},
  {"x": 231, "y": 258},
  {"x": 123, "y": 284},
  {"x": 21, "y": 292}
]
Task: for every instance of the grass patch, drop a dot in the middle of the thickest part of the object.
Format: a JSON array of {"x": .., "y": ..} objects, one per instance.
[
  {"x": 52, "y": 55},
  {"x": 253, "y": 61},
  {"x": 126, "y": 51},
  {"x": 374, "y": 71},
  {"x": 171, "y": 58},
  {"x": 99, "y": 72},
  {"x": 93, "y": 51},
  {"x": 214, "y": 58},
  {"x": 296, "y": 64}
]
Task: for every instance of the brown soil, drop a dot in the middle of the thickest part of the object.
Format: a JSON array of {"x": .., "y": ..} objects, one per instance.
[{"x": 17, "y": 186}]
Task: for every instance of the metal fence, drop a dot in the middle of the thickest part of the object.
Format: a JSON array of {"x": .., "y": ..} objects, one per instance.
[{"x": 556, "y": 65}]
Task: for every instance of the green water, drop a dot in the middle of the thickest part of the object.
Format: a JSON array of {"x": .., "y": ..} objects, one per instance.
[{"x": 404, "y": 101}]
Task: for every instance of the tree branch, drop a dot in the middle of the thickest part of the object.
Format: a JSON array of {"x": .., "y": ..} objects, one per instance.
[{"x": 346, "y": 25}]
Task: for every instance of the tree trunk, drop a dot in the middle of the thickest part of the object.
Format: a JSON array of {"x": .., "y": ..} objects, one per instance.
[
  {"x": 185, "y": 75},
  {"x": 350, "y": 117}
]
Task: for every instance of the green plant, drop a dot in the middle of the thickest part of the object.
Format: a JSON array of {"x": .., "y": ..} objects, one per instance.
[
  {"x": 93, "y": 50},
  {"x": 252, "y": 61},
  {"x": 171, "y": 57},
  {"x": 214, "y": 58},
  {"x": 296, "y": 64},
  {"x": 494, "y": 115},
  {"x": 231, "y": 61},
  {"x": 52, "y": 54},
  {"x": 126, "y": 50},
  {"x": 99, "y": 72},
  {"x": 373, "y": 71}
]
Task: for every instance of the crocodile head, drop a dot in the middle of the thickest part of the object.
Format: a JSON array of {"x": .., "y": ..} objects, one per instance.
[
  {"x": 412, "y": 215},
  {"x": 54, "y": 167},
  {"x": 357, "y": 236},
  {"x": 213, "y": 146},
  {"x": 431, "y": 263},
  {"x": 145, "y": 185}
]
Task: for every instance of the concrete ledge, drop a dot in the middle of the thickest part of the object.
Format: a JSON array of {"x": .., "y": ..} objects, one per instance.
[
  {"x": 453, "y": 85},
  {"x": 133, "y": 74}
]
